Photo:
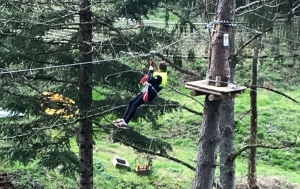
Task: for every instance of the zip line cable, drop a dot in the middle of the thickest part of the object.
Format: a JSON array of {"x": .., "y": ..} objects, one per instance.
[
  {"x": 290, "y": 40},
  {"x": 111, "y": 59},
  {"x": 94, "y": 62},
  {"x": 270, "y": 35}
]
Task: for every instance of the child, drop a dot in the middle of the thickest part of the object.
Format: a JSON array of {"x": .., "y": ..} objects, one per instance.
[{"x": 155, "y": 82}]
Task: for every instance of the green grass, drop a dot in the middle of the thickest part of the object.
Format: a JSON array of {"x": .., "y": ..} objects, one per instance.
[
  {"x": 166, "y": 173},
  {"x": 180, "y": 128}
]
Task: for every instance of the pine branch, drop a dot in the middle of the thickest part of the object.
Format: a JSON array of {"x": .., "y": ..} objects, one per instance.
[
  {"x": 182, "y": 18},
  {"x": 125, "y": 137},
  {"x": 177, "y": 91},
  {"x": 160, "y": 155},
  {"x": 52, "y": 52},
  {"x": 33, "y": 131},
  {"x": 192, "y": 111},
  {"x": 256, "y": 5},
  {"x": 132, "y": 42},
  {"x": 18, "y": 95},
  {"x": 144, "y": 105},
  {"x": 239, "y": 9},
  {"x": 48, "y": 78}
]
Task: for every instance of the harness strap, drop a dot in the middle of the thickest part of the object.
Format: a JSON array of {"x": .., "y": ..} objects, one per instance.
[
  {"x": 145, "y": 91},
  {"x": 147, "y": 85}
]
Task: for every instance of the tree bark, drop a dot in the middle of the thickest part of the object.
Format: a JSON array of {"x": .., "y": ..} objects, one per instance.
[
  {"x": 209, "y": 138},
  {"x": 252, "y": 181},
  {"x": 209, "y": 133},
  {"x": 85, "y": 142},
  {"x": 227, "y": 128}
]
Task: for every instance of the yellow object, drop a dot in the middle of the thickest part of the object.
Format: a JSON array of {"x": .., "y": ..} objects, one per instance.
[
  {"x": 65, "y": 102},
  {"x": 164, "y": 77}
]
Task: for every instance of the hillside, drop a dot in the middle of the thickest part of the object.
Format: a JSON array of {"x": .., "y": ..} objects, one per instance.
[{"x": 278, "y": 125}]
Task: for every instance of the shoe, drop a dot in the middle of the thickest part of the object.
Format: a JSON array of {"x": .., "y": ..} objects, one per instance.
[
  {"x": 118, "y": 121},
  {"x": 122, "y": 125}
]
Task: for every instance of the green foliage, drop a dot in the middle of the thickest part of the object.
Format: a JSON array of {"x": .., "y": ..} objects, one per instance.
[
  {"x": 26, "y": 179},
  {"x": 136, "y": 9},
  {"x": 66, "y": 162},
  {"x": 47, "y": 36},
  {"x": 42, "y": 37}
]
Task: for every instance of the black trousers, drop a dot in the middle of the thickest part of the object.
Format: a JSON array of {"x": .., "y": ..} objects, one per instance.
[{"x": 135, "y": 103}]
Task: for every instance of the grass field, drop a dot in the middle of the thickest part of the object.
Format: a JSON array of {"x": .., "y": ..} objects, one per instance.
[{"x": 180, "y": 128}]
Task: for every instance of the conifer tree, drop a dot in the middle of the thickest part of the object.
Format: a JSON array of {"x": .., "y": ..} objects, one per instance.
[{"x": 43, "y": 62}]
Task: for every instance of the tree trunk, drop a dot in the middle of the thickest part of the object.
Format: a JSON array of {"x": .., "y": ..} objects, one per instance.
[
  {"x": 252, "y": 181},
  {"x": 209, "y": 133},
  {"x": 227, "y": 128},
  {"x": 85, "y": 142}
]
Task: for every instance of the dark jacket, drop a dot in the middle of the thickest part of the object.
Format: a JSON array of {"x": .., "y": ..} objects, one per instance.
[{"x": 155, "y": 81}]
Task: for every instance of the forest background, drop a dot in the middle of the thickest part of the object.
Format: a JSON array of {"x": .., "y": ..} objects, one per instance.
[{"x": 44, "y": 51}]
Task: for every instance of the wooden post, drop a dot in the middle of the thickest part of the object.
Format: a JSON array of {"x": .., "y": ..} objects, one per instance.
[
  {"x": 218, "y": 81},
  {"x": 230, "y": 27},
  {"x": 220, "y": 30},
  {"x": 208, "y": 82},
  {"x": 252, "y": 175}
]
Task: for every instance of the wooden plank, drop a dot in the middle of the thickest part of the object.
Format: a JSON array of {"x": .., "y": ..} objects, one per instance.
[
  {"x": 196, "y": 93},
  {"x": 201, "y": 84},
  {"x": 202, "y": 90},
  {"x": 226, "y": 96}
]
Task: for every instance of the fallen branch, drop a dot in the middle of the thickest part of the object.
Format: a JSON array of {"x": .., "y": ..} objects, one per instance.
[
  {"x": 236, "y": 154},
  {"x": 280, "y": 93}
]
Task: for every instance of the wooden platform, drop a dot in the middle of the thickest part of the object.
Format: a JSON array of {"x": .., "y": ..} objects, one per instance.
[{"x": 215, "y": 93}]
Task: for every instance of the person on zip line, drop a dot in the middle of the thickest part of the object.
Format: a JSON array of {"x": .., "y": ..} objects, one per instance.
[{"x": 154, "y": 82}]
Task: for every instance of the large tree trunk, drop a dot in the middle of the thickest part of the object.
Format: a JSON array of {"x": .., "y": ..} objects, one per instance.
[
  {"x": 209, "y": 133},
  {"x": 85, "y": 142},
  {"x": 252, "y": 181},
  {"x": 227, "y": 128}
]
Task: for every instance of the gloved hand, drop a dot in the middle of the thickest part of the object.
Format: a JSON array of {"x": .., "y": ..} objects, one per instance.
[{"x": 150, "y": 67}]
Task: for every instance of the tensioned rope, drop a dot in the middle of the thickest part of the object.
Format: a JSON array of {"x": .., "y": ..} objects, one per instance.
[
  {"x": 95, "y": 62},
  {"x": 111, "y": 59},
  {"x": 92, "y": 62}
]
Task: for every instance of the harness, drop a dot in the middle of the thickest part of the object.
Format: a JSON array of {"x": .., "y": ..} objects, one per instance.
[
  {"x": 143, "y": 80},
  {"x": 145, "y": 91}
]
